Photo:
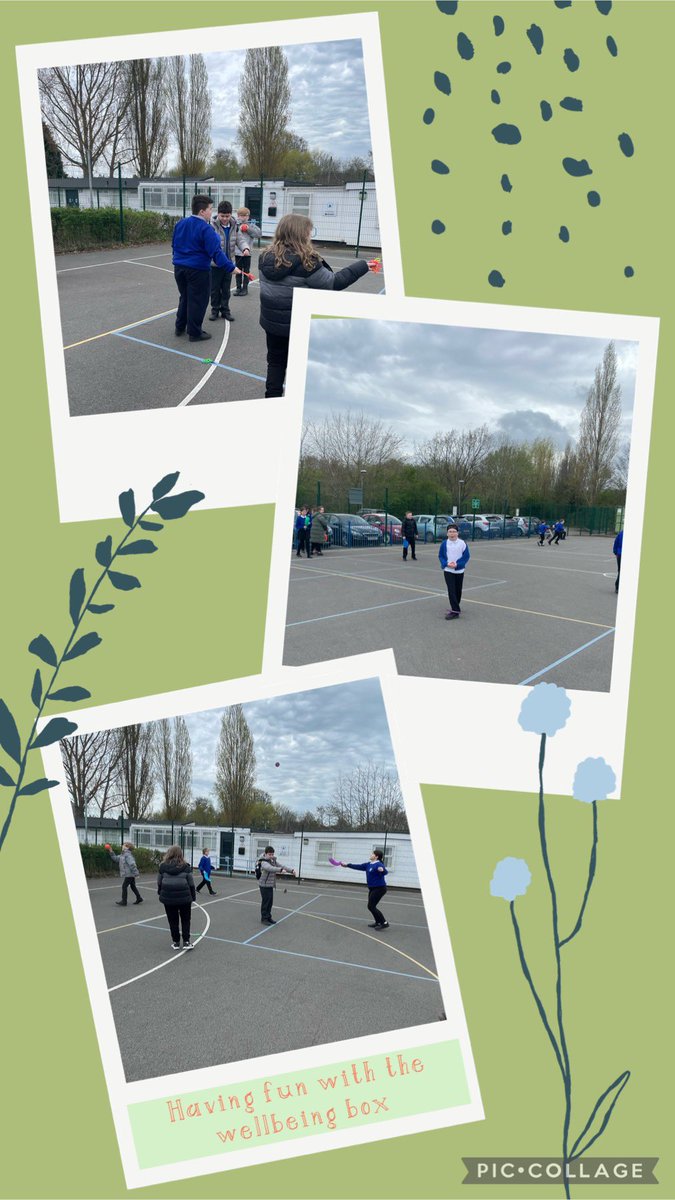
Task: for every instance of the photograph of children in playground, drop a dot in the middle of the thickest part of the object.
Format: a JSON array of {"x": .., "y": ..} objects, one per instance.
[
  {"x": 188, "y": 197},
  {"x": 461, "y": 497},
  {"x": 275, "y": 893}
]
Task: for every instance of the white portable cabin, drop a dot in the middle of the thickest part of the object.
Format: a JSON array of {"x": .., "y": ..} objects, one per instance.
[{"x": 306, "y": 852}]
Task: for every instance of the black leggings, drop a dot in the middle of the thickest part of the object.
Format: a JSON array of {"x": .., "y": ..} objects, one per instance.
[
  {"x": 178, "y": 916},
  {"x": 454, "y": 584},
  {"x": 374, "y": 897}
]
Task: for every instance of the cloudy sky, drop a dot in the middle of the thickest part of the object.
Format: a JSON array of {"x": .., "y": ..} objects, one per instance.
[
  {"x": 328, "y": 96},
  {"x": 312, "y": 735},
  {"x": 426, "y": 379}
]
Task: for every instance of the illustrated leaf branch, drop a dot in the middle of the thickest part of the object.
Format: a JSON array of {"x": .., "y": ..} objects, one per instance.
[
  {"x": 591, "y": 875},
  {"x": 528, "y": 975},
  {"x": 168, "y": 508},
  {"x": 616, "y": 1087}
]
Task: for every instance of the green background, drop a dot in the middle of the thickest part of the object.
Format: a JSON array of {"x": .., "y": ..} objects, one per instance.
[{"x": 199, "y": 616}]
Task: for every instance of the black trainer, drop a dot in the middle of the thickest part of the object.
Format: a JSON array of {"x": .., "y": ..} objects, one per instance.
[
  {"x": 203, "y": 337},
  {"x": 227, "y": 316},
  {"x": 213, "y": 315},
  {"x": 121, "y": 903}
]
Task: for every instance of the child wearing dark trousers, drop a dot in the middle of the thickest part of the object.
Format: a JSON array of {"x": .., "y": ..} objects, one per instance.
[
  {"x": 176, "y": 891},
  {"x": 128, "y": 872},
  {"x": 206, "y": 868},
  {"x": 453, "y": 556},
  {"x": 376, "y": 873},
  {"x": 291, "y": 262}
]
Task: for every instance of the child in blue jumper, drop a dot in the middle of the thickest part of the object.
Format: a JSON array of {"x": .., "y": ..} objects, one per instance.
[
  {"x": 453, "y": 556},
  {"x": 375, "y": 878},
  {"x": 206, "y": 868}
]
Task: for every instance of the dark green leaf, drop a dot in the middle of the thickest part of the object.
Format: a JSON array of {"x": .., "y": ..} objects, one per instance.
[
  {"x": 39, "y": 785},
  {"x": 100, "y": 608},
  {"x": 9, "y": 734},
  {"x": 44, "y": 650},
  {"x": 36, "y": 690},
  {"x": 153, "y": 526},
  {"x": 104, "y": 552},
  {"x": 83, "y": 645},
  {"x": 124, "y": 583},
  {"x": 77, "y": 591},
  {"x": 5, "y": 779},
  {"x": 70, "y": 693},
  {"x": 176, "y": 506},
  {"x": 165, "y": 485},
  {"x": 142, "y": 546},
  {"x": 53, "y": 731},
  {"x": 128, "y": 507},
  {"x": 599, "y": 1118}
]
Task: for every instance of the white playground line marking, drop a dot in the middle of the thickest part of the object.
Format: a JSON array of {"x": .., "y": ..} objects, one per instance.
[
  {"x": 198, "y": 387},
  {"x": 121, "y": 329},
  {"x": 111, "y": 262},
  {"x": 168, "y": 960},
  {"x": 530, "y": 612},
  {"x": 285, "y": 908},
  {"x": 136, "y": 262}
]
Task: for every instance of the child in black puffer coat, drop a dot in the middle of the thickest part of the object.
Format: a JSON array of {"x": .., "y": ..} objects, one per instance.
[
  {"x": 291, "y": 262},
  {"x": 176, "y": 891}
]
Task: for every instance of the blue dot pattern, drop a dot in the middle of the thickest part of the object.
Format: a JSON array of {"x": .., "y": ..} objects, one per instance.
[
  {"x": 495, "y": 97},
  {"x": 593, "y": 199},
  {"x": 498, "y": 23},
  {"x": 440, "y": 168},
  {"x": 442, "y": 82},
  {"x": 572, "y": 104},
  {"x": 437, "y": 227},
  {"x": 503, "y": 68},
  {"x": 507, "y": 135},
  {"x": 571, "y": 60},
  {"x": 626, "y": 144},
  {"x": 464, "y": 47},
  {"x": 428, "y": 116},
  {"x": 536, "y": 36},
  {"x": 577, "y": 166},
  {"x": 507, "y": 186},
  {"x": 496, "y": 279},
  {"x": 546, "y": 110}
]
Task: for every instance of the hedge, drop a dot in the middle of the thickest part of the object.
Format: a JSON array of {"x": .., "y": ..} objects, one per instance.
[
  {"x": 98, "y": 228},
  {"x": 97, "y": 861}
]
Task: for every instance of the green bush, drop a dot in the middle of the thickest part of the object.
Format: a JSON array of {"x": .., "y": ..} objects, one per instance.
[
  {"x": 97, "y": 861},
  {"x": 99, "y": 228}
]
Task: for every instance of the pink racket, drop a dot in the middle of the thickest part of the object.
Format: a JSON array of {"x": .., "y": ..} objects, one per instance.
[{"x": 334, "y": 862}]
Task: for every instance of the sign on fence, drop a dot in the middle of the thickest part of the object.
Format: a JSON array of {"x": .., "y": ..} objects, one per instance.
[
  {"x": 355, "y": 496},
  {"x": 475, "y": 503}
]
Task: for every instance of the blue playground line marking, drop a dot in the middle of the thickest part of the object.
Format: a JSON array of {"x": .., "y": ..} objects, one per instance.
[
  {"x": 565, "y": 657},
  {"x": 184, "y": 354},
  {"x": 338, "y": 962},
  {"x": 279, "y": 922}
]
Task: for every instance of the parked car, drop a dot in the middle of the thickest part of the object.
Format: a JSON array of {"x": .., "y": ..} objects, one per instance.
[
  {"x": 430, "y": 528},
  {"x": 346, "y": 529},
  {"x": 478, "y": 523},
  {"x": 388, "y": 525}
]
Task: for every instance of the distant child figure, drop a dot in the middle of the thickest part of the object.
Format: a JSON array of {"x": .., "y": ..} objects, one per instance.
[
  {"x": 453, "y": 555},
  {"x": 318, "y": 532},
  {"x": 128, "y": 872},
  {"x": 225, "y": 226},
  {"x": 616, "y": 550},
  {"x": 557, "y": 533},
  {"x": 290, "y": 262},
  {"x": 206, "y": 868},
  {"x": 376, "y": 873},
  {"x": 176, "y": 891},
  {"x": 247, "y": 230},
  {"x": 542, "y": 530},
  {"x": 302, "y": 532},
  {"x": 408, "y": 534}
]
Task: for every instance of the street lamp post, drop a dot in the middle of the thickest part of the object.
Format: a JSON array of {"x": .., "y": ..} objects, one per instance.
[
  {"x": 459, "y": 499},
  {"x": 362, "y": 474}
]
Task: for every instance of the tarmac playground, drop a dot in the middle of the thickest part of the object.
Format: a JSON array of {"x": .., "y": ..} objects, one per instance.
[
  {"x": 529, "y": 613},
  {"x": 121, "y": 352},
  {"x": 247, "y": 990}
]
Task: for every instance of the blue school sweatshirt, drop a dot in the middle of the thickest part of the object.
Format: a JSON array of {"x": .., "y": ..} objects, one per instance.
[
  {"x": 204, "y": 865},
  {"x": 195, "y": 243},
  {"x": 375, "y": 872}
]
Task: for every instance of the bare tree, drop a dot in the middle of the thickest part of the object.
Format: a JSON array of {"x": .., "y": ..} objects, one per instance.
[
  {"x": 173, "y": 766},
  {"x": 235, "y": 767},
  {"x": 85, "y": 107},
  {"x": 621, "y": 463},
  {"x": 145, "y": 80},
  {"x": 350, "y": 441},
  {"x": 135, "y": 783},
  {"x": 369, "y": 798},
  {"x": 600, "y": 425},
  {"x": 456, "y": 455},
  {"x": 264, "y": 109},
  {"x": 90, "y": 761},
  {"x": 189, "y": 105}
]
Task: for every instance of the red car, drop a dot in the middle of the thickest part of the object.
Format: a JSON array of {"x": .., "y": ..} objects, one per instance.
[{"x": 388, "y": 525}]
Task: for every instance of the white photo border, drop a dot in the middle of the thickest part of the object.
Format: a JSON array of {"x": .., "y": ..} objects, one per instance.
[{"x": 218, "y": 447}]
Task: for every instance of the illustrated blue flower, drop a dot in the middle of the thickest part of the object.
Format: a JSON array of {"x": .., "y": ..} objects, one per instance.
[
  {"x": 512, "y": 878},
  {"x": 594, "y": 779},
  {"x": 545, "y": 710}
]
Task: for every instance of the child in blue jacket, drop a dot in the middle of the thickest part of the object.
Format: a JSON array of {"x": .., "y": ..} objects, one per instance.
[
  {"x": 206, "y": 868},
  {"x": 453, "y": 556},
  {"x": 616, "y": 551},
  {"x": 376, "y": 873}
]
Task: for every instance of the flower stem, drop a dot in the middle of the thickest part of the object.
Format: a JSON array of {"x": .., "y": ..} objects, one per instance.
[
  {"x": 591, "y": 875},
  {"x": 566, "y": 1072},
  {"x": 526, "y": 972},
  {"x": 50, "y": 685}
]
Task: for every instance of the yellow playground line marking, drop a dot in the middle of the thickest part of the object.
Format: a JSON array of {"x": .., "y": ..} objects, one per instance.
[
  {"x": 486, "y": 603},
  {"x": 119, "y": 329},
  {"x": 360, "y": 932}
]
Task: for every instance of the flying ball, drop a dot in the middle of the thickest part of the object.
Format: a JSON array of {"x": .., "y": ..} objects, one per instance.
[
  {"x": 244, "y": 228},
  {"x": 277, "y": 764}
]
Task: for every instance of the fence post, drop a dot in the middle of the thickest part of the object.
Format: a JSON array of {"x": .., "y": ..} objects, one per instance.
[
  {"x": 119, "y": 184},
  {"x": 363, "y": 198},
  {"x": 143, "y": 194},
  {"x": 318, "y": 492},
  {"x": 302, "y": 842},
  {"x": 121, "y": 826},
  {"x": 386, "y": 514},
  {"x": 184, "y": 197},
  {"x": 262, "y": 184}
]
